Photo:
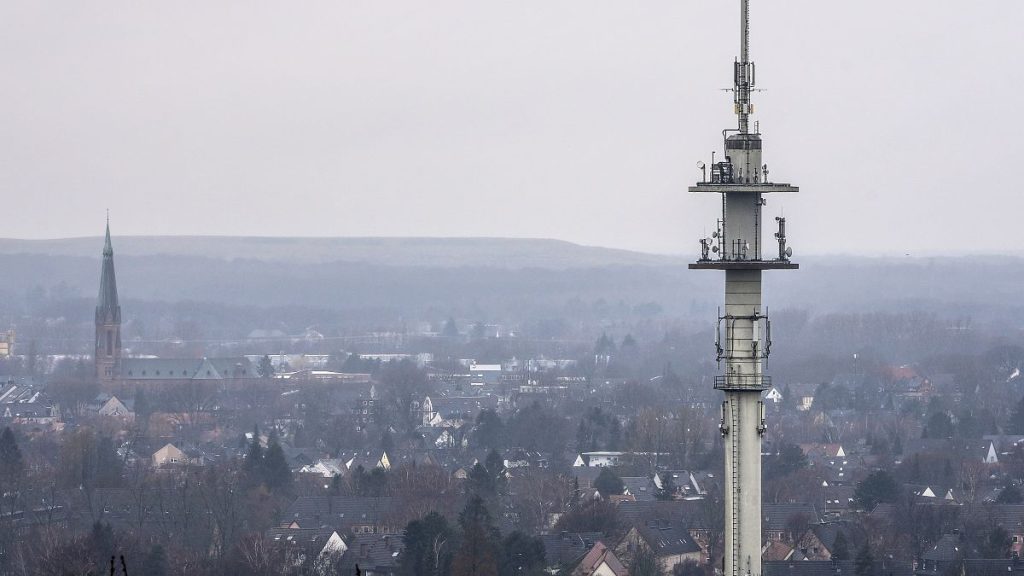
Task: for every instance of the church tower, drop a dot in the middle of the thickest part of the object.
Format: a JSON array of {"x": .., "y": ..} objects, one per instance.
[{"x": 108, "y": 319}]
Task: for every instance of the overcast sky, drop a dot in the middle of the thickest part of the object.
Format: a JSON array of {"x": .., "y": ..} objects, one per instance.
[{"x": 580, "y": 120}]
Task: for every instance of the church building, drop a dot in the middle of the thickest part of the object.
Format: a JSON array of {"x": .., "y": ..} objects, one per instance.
[{"x": 112, "y": 368}]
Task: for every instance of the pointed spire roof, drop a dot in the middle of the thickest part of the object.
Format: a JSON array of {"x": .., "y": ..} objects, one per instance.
[
  {"x": 107, "y": 307},
  {"x": 108, "y": 249}
]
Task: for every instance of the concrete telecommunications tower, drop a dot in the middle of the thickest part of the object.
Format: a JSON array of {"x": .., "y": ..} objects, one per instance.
[{"x": 743, "y": 338}]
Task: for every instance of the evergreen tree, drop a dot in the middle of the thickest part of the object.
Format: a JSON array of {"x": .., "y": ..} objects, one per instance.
[
  {"x": 1016, "y": 424},
  {"x": 865, "y": 562},
  {"x": 604, "y": 345},
  {"x": 155, "y": 562},
  {"x": 489, "y": 430},
  {"x": 496, "y": 468},
  {"x": 387, "y": 443},
  {"x": 494, "y": 462},
  {"x": 254, "y": 456},
  {"x": 1010, "y": 495},
  {"x": 450, "y": 330},
  {"x": 840, "y": 548},
  {"x": 109, "y": 465},
  {"x": 668, "y": 487},
  {"x": 789, "y": 459},
  {"x": 939, "y": 425},
  {"x": 608, "y": 483},
  {"x": 479, "y": 550},
  {"x": 266, "y": 367},
  {"x": 428, "y": 547},
  {"x": 375, "y": 483},
  {"x": 878, "y": 487},
  {"x": 102, "y": 544},
  {"x": 522, "y": 554},
  {"x": 997, "y": 544},
  {"x": 480, "y": 482},
  {"x": 11, "y": 462},
  {"x": 358, "y": 480},
  {"x": 12, "y": 468},
  {"x": 276, "y": 473}
]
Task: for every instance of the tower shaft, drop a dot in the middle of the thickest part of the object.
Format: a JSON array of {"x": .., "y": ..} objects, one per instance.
[{"x": 743, "y": 422}]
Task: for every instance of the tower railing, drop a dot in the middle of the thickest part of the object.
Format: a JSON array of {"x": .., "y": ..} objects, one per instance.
[{"x": 743, "y": 382}]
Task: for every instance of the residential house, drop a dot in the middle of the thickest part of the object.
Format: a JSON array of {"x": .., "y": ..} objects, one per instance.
[
  {"x": 373, "y": 554},
  {"x": 346, "y": 514},
  {"x": 639, "y": 487},
  {"x": 171, "y": 455},
  {"x": 820, "y": 541},
  {"x": 801, "y": 567},
  {"x": 325, "y": 467},
  {"x": 600, "y": 459},
  {"x": 787, "y": 522},
  {"x": 566, "y": 548},
  {"x": 600, "y": 561},
  {"x": 670, "y": 543},
  {"x": 302, "y": 545},
  {"x": 114, "y": 407}
]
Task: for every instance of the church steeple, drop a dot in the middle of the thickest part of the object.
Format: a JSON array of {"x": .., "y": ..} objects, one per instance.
[{"x": 108, "y": 317}]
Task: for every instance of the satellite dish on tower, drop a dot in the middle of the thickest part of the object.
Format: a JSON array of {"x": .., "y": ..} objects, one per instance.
[{"x": 789, "y": 252}]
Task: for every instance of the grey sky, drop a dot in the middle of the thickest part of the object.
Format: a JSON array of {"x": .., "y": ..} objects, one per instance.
[{"x": 580, "y": 120}]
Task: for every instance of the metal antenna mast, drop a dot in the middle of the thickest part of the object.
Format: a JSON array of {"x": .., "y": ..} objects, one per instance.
[{"x": 743, "y": 76}]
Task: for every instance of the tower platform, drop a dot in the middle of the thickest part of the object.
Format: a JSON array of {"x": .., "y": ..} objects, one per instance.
[
  {"x": 744, "y": 188},
  {"x": 744, "y": 265}
]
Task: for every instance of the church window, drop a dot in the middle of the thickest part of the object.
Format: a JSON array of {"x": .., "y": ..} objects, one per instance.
[{"x": 110, "y": 343}]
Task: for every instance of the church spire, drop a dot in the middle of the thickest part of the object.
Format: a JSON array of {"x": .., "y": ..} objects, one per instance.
[
  {"x": 108, "y": 250},
  {"x": 108, "y": 316},
  {"x": 107, "y": 308}
]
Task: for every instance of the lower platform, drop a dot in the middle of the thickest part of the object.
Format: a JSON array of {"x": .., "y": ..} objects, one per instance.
[{"x": 744, "y": 265}]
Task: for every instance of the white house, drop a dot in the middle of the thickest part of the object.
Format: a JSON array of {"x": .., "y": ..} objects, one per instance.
[
  {"x": 325, "y": 467},
  {"x": 599, "y": 459}
]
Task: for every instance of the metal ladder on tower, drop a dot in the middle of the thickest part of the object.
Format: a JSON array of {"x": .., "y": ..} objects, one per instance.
[{"x": 734, "y": 442}]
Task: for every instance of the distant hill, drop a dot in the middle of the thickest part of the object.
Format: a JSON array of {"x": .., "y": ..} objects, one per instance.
[
  {"x": 486, "y": 277},
  {"x": 428, "y": 252}
]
